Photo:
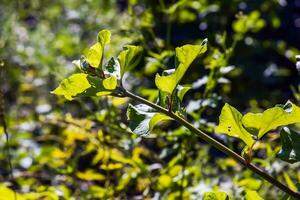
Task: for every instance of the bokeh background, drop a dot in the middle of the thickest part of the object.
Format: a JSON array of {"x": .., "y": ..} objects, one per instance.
[{"x": 82, "y": 149}]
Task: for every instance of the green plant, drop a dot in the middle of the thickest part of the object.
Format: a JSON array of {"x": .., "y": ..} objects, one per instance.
[{"x": 98, "y": 79}]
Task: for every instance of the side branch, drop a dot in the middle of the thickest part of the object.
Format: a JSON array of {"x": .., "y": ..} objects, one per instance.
[{"x": 216, "y": 144}]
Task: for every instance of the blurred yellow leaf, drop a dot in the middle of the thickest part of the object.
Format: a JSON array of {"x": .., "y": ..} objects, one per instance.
[
  {"x": 90, "y": 175},
  {"x": 164, "y": 181}
]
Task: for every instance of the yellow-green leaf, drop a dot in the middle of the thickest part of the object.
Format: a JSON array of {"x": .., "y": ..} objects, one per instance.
[
  {"x": 215, "y": 196},
  {"x": 164, "y": 181},
  {"x": 90, "y": 175},
  {"x": 289, "y": 181},
  {"x": 104, "y": 37},
  {"x": 84, "y": 85},
  {"x": 110, "y": 83},
  {"x": 95, "y": 53},
  {"x": 185, "y": 56},
  {"x": 252, "y": 195},
  {"x": 72, "y": 86},
  {"x": 230, "y": 123},
  {"x": 8, "y": 194},
  {"x": 260, "y": 123},
  {"x": 129, "y": 58},
  {"x": 182, "y": 90},
  {"x": 158, "y": 117}
]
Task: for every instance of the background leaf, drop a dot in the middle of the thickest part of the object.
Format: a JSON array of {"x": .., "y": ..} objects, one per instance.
[{"x": 215, "y": 196}]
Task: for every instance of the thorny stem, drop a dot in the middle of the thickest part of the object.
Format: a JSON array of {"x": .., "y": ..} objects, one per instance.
[{"x": 216, "y": 144}]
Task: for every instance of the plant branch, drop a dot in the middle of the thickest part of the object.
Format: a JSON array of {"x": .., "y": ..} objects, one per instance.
[{"x": 216, "y": 144}]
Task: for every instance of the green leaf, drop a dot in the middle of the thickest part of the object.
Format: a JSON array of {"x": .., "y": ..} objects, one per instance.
[
  {"x": 185, "y": 56},
  {"x": 252, "y": 195},
  {"x": 84, "y": 85},
  {"x": 215, "y": 196},
  {"x": 95, "y": 53},
  {"x": 158, "y": 117},
  {"x": 290, "y": 151},
  {"x": 139, "y": 117},
  {"x": 230, "y": 123},
  {"x": 260, "y": 123},
  {"x": 129, "y": 58},
  {"x": 142, "y": 119}
]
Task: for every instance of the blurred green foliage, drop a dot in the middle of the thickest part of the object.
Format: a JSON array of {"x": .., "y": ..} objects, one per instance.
[{"x": 82, "y": 149}]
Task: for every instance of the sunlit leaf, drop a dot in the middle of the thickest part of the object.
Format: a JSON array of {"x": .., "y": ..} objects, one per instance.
[
  {"x": 85, "y": 85},
  {"x": 252, "y": 195},
  {"x": 90, "y": 175},
  {"x": 230, "y": 123},
  {"x": 250, "y": 183},
  {"x": 8, "y": 194},
  {"x": 72, "y": 86},
  {"x": 111, "y": 166},
  {"x": 289, "y": 181},
  {"x": 104, "y": 37},
  {"x": 215, "y": 196},
  {"x": 182, "y": 90},
  {"x": 260, "y": 123},
  {"x": 185, "y": 56},
  {"x": 290, "y": 151},
  {"x": 129, "y": 58},
  {"x": 110, "y": 83},
  {"x": 158, "y": 117},
  {"x": 95, "y": 53},
  {"x": 164, "y": 181}
]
